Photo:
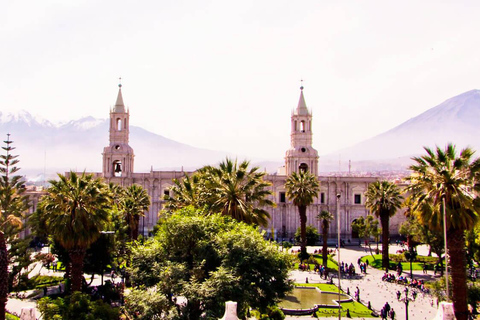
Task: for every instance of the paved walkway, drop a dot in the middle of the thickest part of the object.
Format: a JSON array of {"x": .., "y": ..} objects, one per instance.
[{"x": 373, "y": 289}]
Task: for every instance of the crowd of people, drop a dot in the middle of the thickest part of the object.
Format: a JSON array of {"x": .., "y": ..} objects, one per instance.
[{"x": 418, "y": 284}]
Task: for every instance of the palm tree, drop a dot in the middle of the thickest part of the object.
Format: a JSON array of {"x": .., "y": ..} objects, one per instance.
[
  {"x": 302, "y": 188},
  {"x": 441, "y": 177},
  {"x": 186, "y": 192},
  {"x": 233, "y": 189},
  {"x": 76, "y": 209},
  {"x": 134, "y": 203},
  {"x": 325, "y": 217},
  {"x": 383, "y": 198},
  {"x": 13, "y": 205}
]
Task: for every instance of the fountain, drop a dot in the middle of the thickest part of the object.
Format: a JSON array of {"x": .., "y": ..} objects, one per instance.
[{"x": 306, "y": 300}]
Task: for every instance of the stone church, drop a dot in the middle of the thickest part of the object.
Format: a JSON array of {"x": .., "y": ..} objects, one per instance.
[{"x": 118, "y": 167}]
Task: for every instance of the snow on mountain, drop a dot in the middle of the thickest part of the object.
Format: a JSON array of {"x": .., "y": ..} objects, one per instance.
[
  {"x": 84, "y": 124},
  {"x": 23, "y": 117},
  {"x": 78, "y": 144}
]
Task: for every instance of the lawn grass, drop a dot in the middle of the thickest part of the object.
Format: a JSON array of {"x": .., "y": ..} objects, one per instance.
[
  {"x": 9, "y": 316},
  {"x": 332, "y": 265},
  {"x": 60, "y": 266},
  {"x": 357, "y": 310},
  {"x": 376, "y": 262}
]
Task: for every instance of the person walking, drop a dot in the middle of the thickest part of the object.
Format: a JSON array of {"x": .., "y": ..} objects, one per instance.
[{"x": 392, "y": 314}]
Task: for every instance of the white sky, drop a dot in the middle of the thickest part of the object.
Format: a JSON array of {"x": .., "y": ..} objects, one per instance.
[{"x": 224, "y": 75}]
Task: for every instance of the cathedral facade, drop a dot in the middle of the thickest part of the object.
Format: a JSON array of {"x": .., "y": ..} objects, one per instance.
[{"x": 344, "y": 194}]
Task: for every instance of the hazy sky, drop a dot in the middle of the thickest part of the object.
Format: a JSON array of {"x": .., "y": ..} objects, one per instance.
[{"x": 225, "y": 75}]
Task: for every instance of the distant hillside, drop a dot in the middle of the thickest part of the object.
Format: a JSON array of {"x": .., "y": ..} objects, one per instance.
[
  {"x": 456, "y": 120},
  {"x": 78, "y": 145}
]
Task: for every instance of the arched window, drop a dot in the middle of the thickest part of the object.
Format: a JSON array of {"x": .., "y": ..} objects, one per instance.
[
  {"x": 302, "y": 126},
  {"x": 354, "y": 231},
  {"x": 119, "y": 124},
  {"x": 117, "y": 168},
  {"x": 303, "y": 167}
]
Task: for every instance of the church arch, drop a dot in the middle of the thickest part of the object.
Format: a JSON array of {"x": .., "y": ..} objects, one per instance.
[
  {"x": 117, "y": 168},
  {"x": 303, "y": 167},
  {"x": 119, "y": 124},
  {"x": 354, "y": 232}
]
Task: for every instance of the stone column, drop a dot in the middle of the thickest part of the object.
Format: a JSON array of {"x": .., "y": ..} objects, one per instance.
[{"x": 230, "y": 311}]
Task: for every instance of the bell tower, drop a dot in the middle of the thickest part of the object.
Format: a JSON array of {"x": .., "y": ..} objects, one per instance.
[
  {"x": 301, "y": 156},
  {"x": 118, "y": 156}
]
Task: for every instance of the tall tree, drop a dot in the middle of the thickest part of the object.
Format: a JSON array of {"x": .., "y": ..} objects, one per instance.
[
  {"x": 207, "y": 261},
  {"x": 383, "y": 198},
  {"x": 302, "y": 188},
  {"x": 76, "y": 209},
  {"x": 134, "y": 203},
  {"x": 366, "y": 228},
  {"x": 325, "y": 217},
  {"x": 442, "y": 176},
  {"x": 187, "y": 191},
  {"x": 233, "y": 189},
  {"x": 13, "y": 206}
]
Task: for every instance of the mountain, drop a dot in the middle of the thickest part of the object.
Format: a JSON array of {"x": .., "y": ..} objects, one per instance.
[
  {"x": 455, "y": 120},
  {"x": 47, "y": 148}
]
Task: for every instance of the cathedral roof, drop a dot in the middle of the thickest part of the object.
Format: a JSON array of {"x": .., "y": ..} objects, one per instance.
[
  {"x": 119, "y": 106},
  {"x": 302, "y": 106}
]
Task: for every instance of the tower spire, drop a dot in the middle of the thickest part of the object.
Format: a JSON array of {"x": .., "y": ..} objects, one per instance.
[
  {"x": 119, "y": 106},
  {"x": 302, "y": 106},
  {"x": 301, "y": 156}
]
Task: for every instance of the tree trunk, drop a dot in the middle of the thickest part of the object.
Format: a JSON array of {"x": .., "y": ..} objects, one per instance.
[
  {"x": 136, "y": 225},
  {"x": 91, "y": 279},
  {"x": 76, "y": 257},
  {"x": 456, "y": 250},
  {"x": 441, "y": 265},
  {"x": 302, "y": 210},
  {"x": 384, "y": 218},
  {"x": 3, "y": 276},
  {"x": 325, "y": 244}
]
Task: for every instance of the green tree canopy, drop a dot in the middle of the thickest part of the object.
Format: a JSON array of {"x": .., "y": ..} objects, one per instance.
[
  {"x": 233, "y": 189},
  {"x": 312, "y": 235},
  {"x": 13, "y": 208},
  {"x": 366, "y": 228},
  {"x": 210, "y": 260},
  {"x": 302, "y": 188},
  {"x": 325, "y": 217},
  {"x": 383, "y": 199},
  {"x": 76, "y": 208},
  {"x": 441, "y": 176},
  {"x": 133, "y": 203}
]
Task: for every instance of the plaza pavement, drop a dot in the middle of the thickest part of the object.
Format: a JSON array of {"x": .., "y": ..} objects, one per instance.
[
  {"x": 373, "y": 289},
  {"x": 371, "y": 286}
]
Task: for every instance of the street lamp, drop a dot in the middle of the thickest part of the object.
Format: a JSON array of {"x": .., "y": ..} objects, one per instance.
[
  {"x": 406, "y": 300},
  {"x": 445, "y": 240},
  {"x": 338, "y": 255},
  {"x": 103, "y": 263}
]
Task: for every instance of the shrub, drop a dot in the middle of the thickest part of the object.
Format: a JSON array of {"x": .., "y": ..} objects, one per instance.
[
  {"x": 36, "y": 282},
  {"x": 78, "y": 306},
  {"x": 312, "y": 235},
  {"x": 273, "y": 313}
]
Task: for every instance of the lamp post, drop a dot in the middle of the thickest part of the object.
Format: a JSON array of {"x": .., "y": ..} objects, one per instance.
[
  {"x": 338, "y": 255},
  {"x": 103, "y": 263},
  {"x": 406, "y": 300},
  {"x": 445, "y": 240}
]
